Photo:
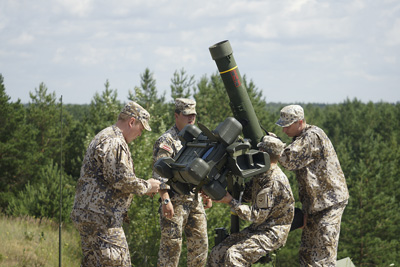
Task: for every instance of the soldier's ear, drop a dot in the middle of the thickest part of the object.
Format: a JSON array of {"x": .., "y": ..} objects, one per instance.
[{"x": 132, "y": 121}]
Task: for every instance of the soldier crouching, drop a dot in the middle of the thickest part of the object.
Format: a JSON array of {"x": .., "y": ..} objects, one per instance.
[{"x": 271, "y": 213}]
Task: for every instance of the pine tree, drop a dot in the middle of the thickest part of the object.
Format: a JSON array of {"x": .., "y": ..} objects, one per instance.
[
  {"x": 42, "y": 198},
  {"x": 104, "y": 109},
  {"x": 182, "y": 84},
  {"x": 17, "y": 147},
  {"x": 212, "y": 101},
  {"x": 146, "y": 95}
]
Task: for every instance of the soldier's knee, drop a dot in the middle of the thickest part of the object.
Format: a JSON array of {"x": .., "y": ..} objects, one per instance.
[{"x": 231, "y": 255}]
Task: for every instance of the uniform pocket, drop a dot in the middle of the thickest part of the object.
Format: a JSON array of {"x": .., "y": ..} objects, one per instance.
[{"x": 113, "y": 247}]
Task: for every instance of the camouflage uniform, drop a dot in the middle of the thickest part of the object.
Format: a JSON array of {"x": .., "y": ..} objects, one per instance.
[
  {"x": 271, "y": 213},
  {"x": 322, "y": 189},
  {"x": 103, "y": 195},
  {"x": 189, "y": 215}
]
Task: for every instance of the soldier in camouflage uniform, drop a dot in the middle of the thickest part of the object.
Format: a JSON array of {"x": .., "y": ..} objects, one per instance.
[
  {"x": 271, "y": 213},
  {"x": 105, "y": 189},
  {"x": 180, "y": 213},
  {"x": 322, "y": 186}
]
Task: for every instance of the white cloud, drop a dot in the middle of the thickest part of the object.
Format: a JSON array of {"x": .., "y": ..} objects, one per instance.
[
  {"x": 23, "y": 39},
  {"x": 300, "y": 5},
  {"x": 77, "y": 7},
  {"x": 303, "y": 19},
  {"x": 59, "y": 55},
  {"x": 393, "y": 34},
  {"x": 364, "y": 75},
  {"x": 331, "y": 43},
  {"x": 89, "y": 55}
]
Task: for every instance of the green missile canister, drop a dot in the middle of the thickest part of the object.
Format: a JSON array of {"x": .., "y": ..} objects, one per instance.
[
  {"x": 240, "y": 102},
  {"x": 241, "y": 107}
]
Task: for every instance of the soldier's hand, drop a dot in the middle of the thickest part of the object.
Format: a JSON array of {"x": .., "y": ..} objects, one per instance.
[
  {"x": 272, "y": 134},
  {"x": 203, "y": 195},
  {"x": 167, "y": 210},
  {"x": 305, "y": 217},
  {"x": 155, "y": 185},
  {"x": 226, "y": 199},
  {"x": 207, "y": 201}
]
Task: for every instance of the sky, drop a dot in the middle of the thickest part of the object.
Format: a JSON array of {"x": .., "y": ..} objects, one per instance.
[{"x": 294, "y": 51}]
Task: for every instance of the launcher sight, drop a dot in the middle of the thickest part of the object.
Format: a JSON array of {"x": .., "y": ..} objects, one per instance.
[{"x": 208, "y": 158}]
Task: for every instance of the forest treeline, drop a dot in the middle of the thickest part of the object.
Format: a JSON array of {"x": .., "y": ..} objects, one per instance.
[{"x": 43, "y": 142}]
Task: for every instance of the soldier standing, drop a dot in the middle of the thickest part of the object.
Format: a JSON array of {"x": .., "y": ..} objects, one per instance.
[
  {"x": 180, "y": 213},
  {"x": 322, "y": 186},
  {"x": 105, "y": 189},
  {"x": 271, "y": 213}
]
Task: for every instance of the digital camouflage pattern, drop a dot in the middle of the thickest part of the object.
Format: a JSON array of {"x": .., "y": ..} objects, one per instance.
[
  {"x": 271, "y": 145},
  {"x": 321, "y": 180},
  {"x": 104, "y": 193},
  {"x": 290, "y": 114},
  {"x": 186, "y": 106},
  {"x": 189, "y": 216},
  {"x": 322, "y": 186},
  {"x": 103, "y": 246},
  {"x": 271, "y": 213},
  {"x": 167, "y": 145},
  {"x": 135, "y": 110},
  {"x": 320, "y": 237}
]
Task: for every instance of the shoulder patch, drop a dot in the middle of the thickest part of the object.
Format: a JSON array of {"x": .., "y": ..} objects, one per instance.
[
  {"x": 263, "y": 199},
  {"x": 166, "y": 147}
]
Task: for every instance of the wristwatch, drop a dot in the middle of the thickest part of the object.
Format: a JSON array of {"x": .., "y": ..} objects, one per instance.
[{"x": 166, "y": 201}]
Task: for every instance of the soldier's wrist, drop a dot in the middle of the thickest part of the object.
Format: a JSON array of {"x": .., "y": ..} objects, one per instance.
[
  {"x": 233, "y": 203},
  {"x": 164, "y": 186}
]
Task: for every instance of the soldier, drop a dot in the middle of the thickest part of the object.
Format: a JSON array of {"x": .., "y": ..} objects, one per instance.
[
  {"x": 180, "y": 213},
  {"x": 322, "y": 186},
  {"x": 271, "y": 213},
  {"x": 105, "y": 189}
]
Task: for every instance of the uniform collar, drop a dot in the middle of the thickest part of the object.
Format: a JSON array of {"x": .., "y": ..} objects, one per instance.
[
  {"x": 302, "y": 132},
  {"x": 118, "y": 132}
]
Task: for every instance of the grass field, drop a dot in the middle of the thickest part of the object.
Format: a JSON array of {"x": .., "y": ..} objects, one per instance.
[{"x": 33, "y": 242}]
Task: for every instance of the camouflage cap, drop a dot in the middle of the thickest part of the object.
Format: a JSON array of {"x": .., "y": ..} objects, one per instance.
[
  {"x": 186, "y": 106},
  {"x": 272, "y": 145},
  {"x": 135, "y": 110},
  {"x": 289, "y": 115}
]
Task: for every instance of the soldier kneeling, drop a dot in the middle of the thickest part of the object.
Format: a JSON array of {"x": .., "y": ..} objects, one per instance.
[{"x": 271, "y": 213}]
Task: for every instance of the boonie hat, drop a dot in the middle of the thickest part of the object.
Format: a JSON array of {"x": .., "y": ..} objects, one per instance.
[
  {"x": 135, "y": 110},
  {"x": 290, "y": 114},
  {"x": 272, "y": 145},
  {"x": 186, "y": 106}
]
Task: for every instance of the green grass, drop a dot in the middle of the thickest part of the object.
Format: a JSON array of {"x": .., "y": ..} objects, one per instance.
[{"x": 33, "y": 242}]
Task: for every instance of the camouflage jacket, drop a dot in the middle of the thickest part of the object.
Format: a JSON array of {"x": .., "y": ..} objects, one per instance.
[
  {"x": 272, "y": 202},
  {"x": 107, "y": 181},
  {"x": 320, "y": 177},
  {"x": 167, "y": 145}
]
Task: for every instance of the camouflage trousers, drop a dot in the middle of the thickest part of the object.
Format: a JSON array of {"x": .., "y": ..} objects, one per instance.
[
  {"x": 320, "y": 237},
  {"x": 190, "y": 218},
  {"x": 103, "y": 246},
  {"x": 247, "y": 247}
]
